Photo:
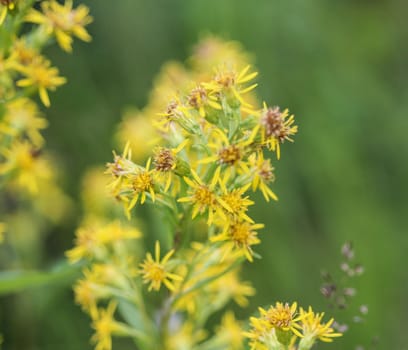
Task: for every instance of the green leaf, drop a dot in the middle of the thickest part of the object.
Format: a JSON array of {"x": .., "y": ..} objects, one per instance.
[{"x": 17, "y": 280}]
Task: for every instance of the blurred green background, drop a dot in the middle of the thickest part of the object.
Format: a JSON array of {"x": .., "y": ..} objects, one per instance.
[{"x": 340, "y": 66}]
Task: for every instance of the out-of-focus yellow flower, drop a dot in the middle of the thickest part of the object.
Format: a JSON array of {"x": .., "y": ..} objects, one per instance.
[
  {"x": 136, "y": 129},
  {"x": 313, "y": 329},
  {"x": 156, "y": 271},
  {"x": 185, "y": 336},
  {"x": 22, "y": 119},
  {"x": 105, "y": 326},
  {"x": 24, "y": 165},
  {"x": 63, "y": 21},
  {"x": 229, "y": 333},
  {"x": 40, "y": 75},
  {"x": 91, "y": 238}
]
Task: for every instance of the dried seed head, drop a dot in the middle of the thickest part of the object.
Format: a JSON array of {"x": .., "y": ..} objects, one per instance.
[
  {"x": 274, "y": 123},
  {"x": 164, "y": 159}
]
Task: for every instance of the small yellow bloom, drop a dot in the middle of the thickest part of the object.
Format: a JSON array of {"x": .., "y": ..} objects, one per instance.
[
  {"x": 40, "y": 75},
  {"x": 201, "y": 100},
  {"x": 92, "y": 236},
  {"x": 104, "y": 325},
  {"x": 240, "y": 236},
  {"x": 155, "y": 271},
  {"x": 25, "y": 166},
  {"x": 313, "y": 328},
  {"x": 262, "y": 175},
  {"x": 63, "y": 21},
  {"x": 232, "y": 85},
  {"x": 204, "y": 197},
  {"x": 22, "y": 118}
]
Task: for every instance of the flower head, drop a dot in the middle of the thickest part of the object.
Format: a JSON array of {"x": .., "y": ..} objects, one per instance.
[
  {"x": 40, "y": 75},
  {"x": 313, "y": 329},
  {"x": 63, "y": 21},
  {"x": 156, "y": 271},
  {"x": 240, "y": 236}
]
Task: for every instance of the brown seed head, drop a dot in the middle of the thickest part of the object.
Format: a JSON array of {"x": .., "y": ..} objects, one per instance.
[{"x": 164, "y": 159}]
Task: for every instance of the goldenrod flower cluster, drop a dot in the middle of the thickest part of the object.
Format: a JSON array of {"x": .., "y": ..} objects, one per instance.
[
  {"x": 26, "y": 170},
  {"x": 206, "y": 145},
  {"x": 283, "y": 327}
]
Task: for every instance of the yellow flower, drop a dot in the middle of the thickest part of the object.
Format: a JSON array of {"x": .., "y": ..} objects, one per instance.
[
  {"x": 313, "y": 328},
  {"x": 204, "y": 196},
  {"x": 236, "y": 201},
  {"x": 25, "y": 166},
  {"x": 63, "y": 21},
  {"x": 240, "y": 236},
  {"x": 41, "y": 76},
  {"x": 276, "y": 127},
  {"x": 104, "y": 325},
  {"x": 262, "y": 175},
  {"x": 155, "y": 271},
  {"x": 277, "y": 325},
  {"x": 228, "y": 153},
  {"x": 201, "y": 100},
  {"x": 230, "y": 332},
  {"x": 22, "y": 118},
  {"x": 92, "y": 236},
  {"x": 230, "y": 83},
  {"x": 142, "y": 182},
  {"x": 283, "y": 317}
]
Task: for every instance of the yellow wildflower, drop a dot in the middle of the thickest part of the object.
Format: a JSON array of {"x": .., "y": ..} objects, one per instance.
[
  {"x": 283, "y": 317},
  {"x": 22, "y": 118},
  {"x": 204, "y": 196},
  {"x": 237, "y": 202},
  {"x": 240, "y": 236},
  {"x": 92, "y": 236},
  {"x": 262, "y": 175},
  {"x": 230, "y": 84},
  {"x": 155, "y": 271},
  {"x": 229, "y": 333},
  {"x": 41, "y": 76},
  {"x": 25, "y": 165},
  {"x": 277, "y": 325},
  {"x": 105, "y": 326},
  {"x": 276, "y": 127},
  {"x": 227, "y": 153},
  {"x": 63, "y": 21},
  {"x": 313, "y": 329},
  {"x": 201, "y": 100},
  {"x": 142, "y": 182}
]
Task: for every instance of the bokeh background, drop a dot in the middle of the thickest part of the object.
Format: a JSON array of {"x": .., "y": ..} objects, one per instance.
[{"x": 340, "y": 66}]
